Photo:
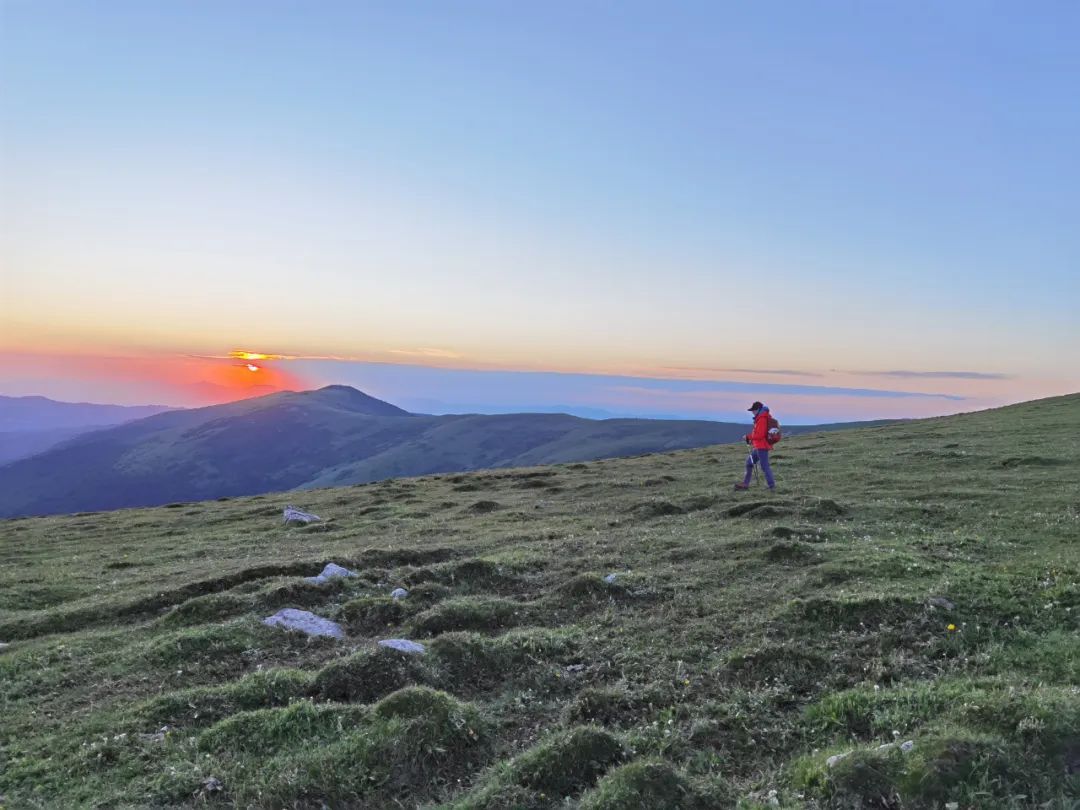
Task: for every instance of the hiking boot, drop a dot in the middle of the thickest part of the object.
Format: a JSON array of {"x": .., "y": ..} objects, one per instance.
[{"x": 742, "y": 486}]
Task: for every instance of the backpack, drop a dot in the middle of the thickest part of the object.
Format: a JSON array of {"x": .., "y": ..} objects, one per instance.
[{"x": 773, "y": 434}]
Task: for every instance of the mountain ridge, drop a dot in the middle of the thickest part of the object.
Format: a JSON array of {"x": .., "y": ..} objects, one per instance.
[{"x": 334, "y": 435}]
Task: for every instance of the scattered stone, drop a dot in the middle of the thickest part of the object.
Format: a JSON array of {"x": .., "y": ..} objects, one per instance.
[
  {"x": 399, "y": 593},
  {"x": 211, "y": 785},
  {"x": 575, "y": 668},
  {"x": 304, "y": 622},
  {"x": 156, "y": 736},
  {"x": 941, "y": 602},
  {"x": 332, "y": 570},
  {"x": 831, "y": 761},
  {"x": 610, "y": 579},
  {"x": 907, "y": 746},
  {"x": 403, "y": 645},
  {"x": 298, "y": 515}
]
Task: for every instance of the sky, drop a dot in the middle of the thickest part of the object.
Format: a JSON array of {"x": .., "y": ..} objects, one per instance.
[{"x": 849, "y": 210}]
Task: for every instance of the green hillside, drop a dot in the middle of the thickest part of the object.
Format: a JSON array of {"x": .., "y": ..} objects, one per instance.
[{"x": 916, "y": 583}]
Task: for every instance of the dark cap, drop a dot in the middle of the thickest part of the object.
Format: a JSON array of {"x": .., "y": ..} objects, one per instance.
[{"x": 757, "y": 406}]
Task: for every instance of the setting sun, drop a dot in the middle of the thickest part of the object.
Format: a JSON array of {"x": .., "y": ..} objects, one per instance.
[{"x": 252, "y": 367}]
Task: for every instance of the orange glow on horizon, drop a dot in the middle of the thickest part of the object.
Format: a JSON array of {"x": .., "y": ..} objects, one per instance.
[{"x": 165, "y": 379}]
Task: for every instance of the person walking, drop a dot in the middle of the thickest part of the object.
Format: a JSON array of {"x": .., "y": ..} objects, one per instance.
[{"x": 758, "y": 438}]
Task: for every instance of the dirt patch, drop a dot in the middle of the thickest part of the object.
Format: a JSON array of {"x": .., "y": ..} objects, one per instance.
[
  {"x": 655, "y": 509},
  {"x": 393, "y": 557},
  {"x": 1032, "y": 461},
  {"x": 791, "y": 552},
  {"x": 823, "y": 509},
  {"x": 760, "y": 509}
]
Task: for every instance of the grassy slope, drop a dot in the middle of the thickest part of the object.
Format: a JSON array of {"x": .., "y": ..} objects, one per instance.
[{"x": 746, "y": 640}]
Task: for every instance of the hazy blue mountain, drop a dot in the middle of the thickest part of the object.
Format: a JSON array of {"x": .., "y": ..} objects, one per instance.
[
  {"x": 40, "y": 413},
  {"x": 31, "y": 425}
]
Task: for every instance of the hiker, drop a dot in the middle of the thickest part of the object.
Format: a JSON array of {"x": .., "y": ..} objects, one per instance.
[{"x": 759, "y": 454}]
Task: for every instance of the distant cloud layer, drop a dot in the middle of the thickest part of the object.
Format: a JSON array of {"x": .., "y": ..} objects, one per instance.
[
  {"x": 446, "y": 390},
  {"x": 779, "y": 372},
  {"x": 936, "y": 375}
]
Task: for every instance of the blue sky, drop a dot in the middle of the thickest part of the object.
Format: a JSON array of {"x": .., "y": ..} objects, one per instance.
[{"x": 612, "y": 188}]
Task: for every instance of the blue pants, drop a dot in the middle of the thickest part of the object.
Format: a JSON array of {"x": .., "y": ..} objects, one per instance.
[{"x": 759, "y": 457}]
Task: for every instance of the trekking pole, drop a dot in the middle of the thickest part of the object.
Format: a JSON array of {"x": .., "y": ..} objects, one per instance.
[{"x": 753, "y": 463}]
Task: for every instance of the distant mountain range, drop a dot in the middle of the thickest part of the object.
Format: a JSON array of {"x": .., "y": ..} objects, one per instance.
[
  {"x": 330, "y": 437},
  {"x": 30, "y": 425}
]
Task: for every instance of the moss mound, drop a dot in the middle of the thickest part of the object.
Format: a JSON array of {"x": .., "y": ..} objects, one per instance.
[
  {"x": 202, "y": 705},
  {"x": 823, "y": 509},
  {"x": 591, "y": 586},
  {"x": 771, "y": 665},
  {"x": 567, "y": 761},
  {"x": 211, "y": 607},
  {"x": 299, "y": 593},
  {"x": 428, "y": 593},
  {"x": 653, "y": 785},
  {"x": 210, "y": 646},
  {"x": 654, "y": 509},
  {"x": 264, "y": 731},
  {"x": 469, "y": 613},
  {"x": 474, "y": 662},
  {"x": 971, "y": 739},
  {"x": 368, "y": 675},
  {"x": 415, "y": 738},
  {"x": 871, "y": 612},
  {"x": 607, "y": 706},
  {"x": 372, "y": 614},
  {"x": 559, "y": 766}
]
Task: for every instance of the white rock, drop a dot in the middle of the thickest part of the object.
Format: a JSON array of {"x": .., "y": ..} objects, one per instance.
[
  {"x": 303, "y": 621},
  {"x": 610, "y": 578},
  {"x": 836, "y": 758},
  {"x": 332, "y": 570},
  {"x": 907, "y": 746},
  {"x": 404, "y": 645},
  {"x": 292, "y": 513},
  {"x": 399, "y": 593}
]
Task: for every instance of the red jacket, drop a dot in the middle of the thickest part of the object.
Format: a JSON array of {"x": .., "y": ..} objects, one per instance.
[{"x": 759, "y": 436}]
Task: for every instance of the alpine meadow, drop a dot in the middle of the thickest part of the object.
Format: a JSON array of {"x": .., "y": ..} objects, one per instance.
[
  {"x": 546, "y": 405},
  {"x": 895, "y": 628}
]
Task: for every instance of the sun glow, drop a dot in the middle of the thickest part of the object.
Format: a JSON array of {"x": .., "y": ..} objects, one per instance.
[{"x": 252, "y": 367}]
